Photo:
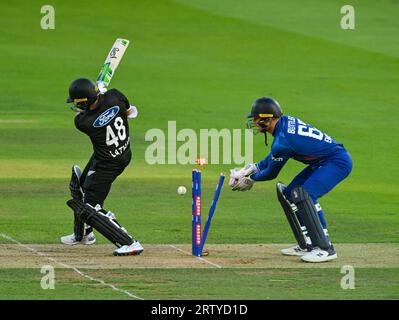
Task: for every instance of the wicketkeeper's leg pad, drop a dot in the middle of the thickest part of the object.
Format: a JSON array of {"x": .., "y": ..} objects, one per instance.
[
  {"x": 103, "y": 223},
  {"x": 306, "y": 207},
  {"x": 296, "y": 227}
]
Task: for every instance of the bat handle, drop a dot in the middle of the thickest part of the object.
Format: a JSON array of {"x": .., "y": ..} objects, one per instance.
[{"x": 101, "y": 86}]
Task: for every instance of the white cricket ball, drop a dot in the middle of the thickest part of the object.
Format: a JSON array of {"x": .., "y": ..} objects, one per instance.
[{"x": 181, "y": 190}]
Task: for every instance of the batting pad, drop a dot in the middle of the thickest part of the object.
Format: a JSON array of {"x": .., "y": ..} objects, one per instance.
[{"x": 103, "y": 224}]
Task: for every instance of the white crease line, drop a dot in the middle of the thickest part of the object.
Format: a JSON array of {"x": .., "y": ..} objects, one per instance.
[
  {"x": 200, "y": 258},
  {"x": 70, "y": 267},
  {"x": 279, "y": 280}
]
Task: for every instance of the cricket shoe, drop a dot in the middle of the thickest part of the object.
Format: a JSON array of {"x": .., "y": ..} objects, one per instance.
[
  {"x": 86, "y": 240},
  {"x": 319, "y": 255},
  {"x": 129, "y": 250},
  {"x": 294, "y": 251}
]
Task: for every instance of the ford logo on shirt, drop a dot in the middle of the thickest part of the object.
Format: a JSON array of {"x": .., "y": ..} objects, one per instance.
[{"x": 106, "y": 117}]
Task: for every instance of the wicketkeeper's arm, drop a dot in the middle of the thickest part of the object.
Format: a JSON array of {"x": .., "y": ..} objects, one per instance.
[{"x": 269, "y": 168}]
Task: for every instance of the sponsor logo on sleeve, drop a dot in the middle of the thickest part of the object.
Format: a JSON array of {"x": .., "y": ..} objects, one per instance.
[{"x": 278, "y": 159}]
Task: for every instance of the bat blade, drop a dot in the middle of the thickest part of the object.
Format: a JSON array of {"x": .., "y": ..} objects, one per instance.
[{"x": 112, "y": 61}]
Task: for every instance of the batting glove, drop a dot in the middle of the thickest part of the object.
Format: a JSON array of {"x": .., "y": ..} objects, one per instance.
[{"x": 132, "y": 112}]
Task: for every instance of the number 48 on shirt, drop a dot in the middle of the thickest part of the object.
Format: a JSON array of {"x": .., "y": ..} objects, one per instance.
[{"x": 112, "y": 138}]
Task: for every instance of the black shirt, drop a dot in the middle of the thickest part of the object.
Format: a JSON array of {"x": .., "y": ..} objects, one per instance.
[{"x": 107, "y": 126}]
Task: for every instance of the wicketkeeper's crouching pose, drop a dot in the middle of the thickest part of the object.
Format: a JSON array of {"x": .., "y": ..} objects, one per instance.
[
  {"x": 104, "y": 118},
  {"x": 328, "y": 164}
]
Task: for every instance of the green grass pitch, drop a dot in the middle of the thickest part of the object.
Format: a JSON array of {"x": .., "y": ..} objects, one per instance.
[{"x": 200, "y": 63}]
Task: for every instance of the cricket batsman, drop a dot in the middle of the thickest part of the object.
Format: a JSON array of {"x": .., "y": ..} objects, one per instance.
[
  {"x": 103, "y": 116},
  {"x": 327, "y": 164}
]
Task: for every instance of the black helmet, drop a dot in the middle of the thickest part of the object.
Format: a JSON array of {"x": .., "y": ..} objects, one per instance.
[
  {"x": 82, "y": 92},
  {"x": 265, "y": 108}
]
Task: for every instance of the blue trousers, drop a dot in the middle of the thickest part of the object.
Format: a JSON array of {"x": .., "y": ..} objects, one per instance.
[{"x": 318, "y": 181}]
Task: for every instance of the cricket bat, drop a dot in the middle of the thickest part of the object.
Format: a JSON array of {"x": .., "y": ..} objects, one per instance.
[{"x": 111, "y": 63}]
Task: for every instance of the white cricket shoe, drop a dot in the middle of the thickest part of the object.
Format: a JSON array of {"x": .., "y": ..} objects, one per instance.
[
  {"x": 132, "y": 250},
  {"x": 319, "y": 255},
  {"x": 86, "y": 240},
  {"x": 294, "y": 251}
]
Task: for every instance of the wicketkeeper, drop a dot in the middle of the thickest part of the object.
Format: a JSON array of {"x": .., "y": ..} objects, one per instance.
[
  {"x": 104, "y": 118},
  {"x": 328, "y": 163}
]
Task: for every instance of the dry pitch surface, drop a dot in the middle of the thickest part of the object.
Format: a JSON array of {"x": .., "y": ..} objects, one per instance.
[{"x": 178, "y": 256}]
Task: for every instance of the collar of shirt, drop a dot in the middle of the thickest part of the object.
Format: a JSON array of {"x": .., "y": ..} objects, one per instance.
[{"x": 278, "y": 127}]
